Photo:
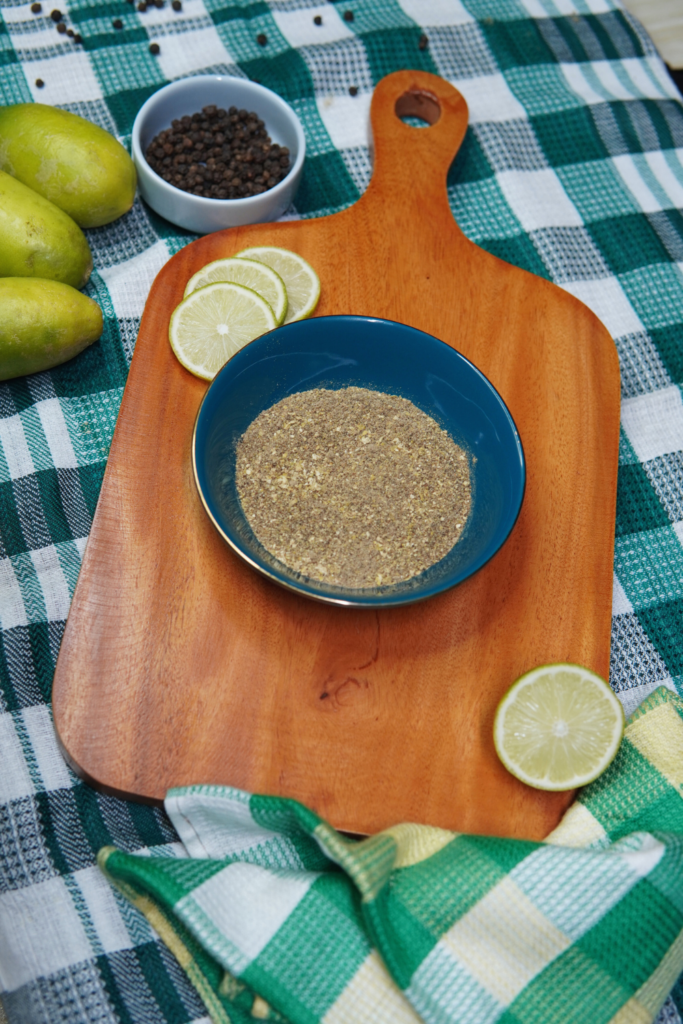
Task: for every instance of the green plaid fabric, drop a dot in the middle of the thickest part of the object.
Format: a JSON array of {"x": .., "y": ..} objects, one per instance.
[
  {"x": 571, "y": 168},
  {"x": 587, "y": 927}
]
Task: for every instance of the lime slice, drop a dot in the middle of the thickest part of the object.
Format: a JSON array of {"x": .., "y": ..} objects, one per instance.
[
  {"x": 301, "y": 281},
  {"x": 213, "y": 323},
  {"x": 558, "y": 727},
  {"x": 251, "y": 274}
]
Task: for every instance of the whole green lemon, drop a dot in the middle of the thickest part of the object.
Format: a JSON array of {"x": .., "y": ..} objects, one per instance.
[
  {"x": 74, "y": 163},
  {"x": 37, "y": 239},
  {"x": 42, "y": 324}
]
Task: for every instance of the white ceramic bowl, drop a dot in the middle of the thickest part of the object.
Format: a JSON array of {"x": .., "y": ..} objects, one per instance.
[{"x": 189, "y": 95}]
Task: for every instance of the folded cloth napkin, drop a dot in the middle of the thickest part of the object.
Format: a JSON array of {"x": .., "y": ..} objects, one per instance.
[{"x": 276, "y": 916}]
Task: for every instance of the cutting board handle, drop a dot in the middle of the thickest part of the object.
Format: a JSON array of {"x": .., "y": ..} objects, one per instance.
[{"x": 409, "y": 162}]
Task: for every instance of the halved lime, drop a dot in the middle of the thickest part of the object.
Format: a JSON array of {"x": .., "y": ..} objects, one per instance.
[
  {"x": 558, "y": 727},
  {"x": 250, "y": 273},
  {"x": 301, "y": 281},
  {"x": 213, "y": 323}
]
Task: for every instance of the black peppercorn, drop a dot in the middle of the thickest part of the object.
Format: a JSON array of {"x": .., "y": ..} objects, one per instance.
[
  {"x": 117, "y": 23},
  {"x": 39, "y": 83},
  {"x": 78, "y": 38},
  {"x": 348, "y": 15},
  {"x": 61, "y": 28},
  {"x": 177, "y": 5},
  {"x": 317, "y": 20},
  {"x": 353, "y": 90},
  {"x": 70, "y": 33},
  {"x": 56, "y": 15},
  {"x": 423, "y": 42},
  {"x": 262, "y": 39},
  {"x": 218, "y": 154},
  {"x": 154, "y": 48},
  {"x": 142, "y": 6},
  {"x": 36, "y": 8}
]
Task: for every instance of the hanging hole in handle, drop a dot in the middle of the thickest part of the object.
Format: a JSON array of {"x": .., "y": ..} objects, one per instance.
[{"x": 418, "y": 108}]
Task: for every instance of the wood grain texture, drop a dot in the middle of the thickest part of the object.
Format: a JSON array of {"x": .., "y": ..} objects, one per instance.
[{"x": 181, "y": 665}]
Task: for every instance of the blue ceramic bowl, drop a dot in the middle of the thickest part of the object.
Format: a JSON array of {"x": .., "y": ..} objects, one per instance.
[{"x": 337, "y": 352}]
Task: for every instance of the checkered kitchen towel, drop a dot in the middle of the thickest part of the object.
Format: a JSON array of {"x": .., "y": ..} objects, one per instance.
[
  {"x": 571, "y": 168},
  {"x": 586, "y": 929}
]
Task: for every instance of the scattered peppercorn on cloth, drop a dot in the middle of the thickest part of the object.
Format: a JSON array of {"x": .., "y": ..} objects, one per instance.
[
  {"x": 571, "y": 168},
  {"x": 276, "y": 916}
]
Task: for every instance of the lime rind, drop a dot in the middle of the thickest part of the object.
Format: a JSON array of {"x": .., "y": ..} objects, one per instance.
[
  {"x": 214, "y": 322},
  {"x": 253, "y": 274},
  {"x": 301, "y": 281},
  {"x": 558, "y": 727}
]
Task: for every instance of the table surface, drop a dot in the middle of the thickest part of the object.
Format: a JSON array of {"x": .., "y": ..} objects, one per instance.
[{"x": 664, "y": 21}]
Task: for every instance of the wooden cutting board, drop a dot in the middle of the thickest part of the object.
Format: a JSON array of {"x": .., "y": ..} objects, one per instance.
[{"x": 181, "y": 665}]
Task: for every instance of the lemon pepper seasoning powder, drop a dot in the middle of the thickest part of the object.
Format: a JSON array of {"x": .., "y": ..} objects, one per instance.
[{"x": 353, "y": 487}]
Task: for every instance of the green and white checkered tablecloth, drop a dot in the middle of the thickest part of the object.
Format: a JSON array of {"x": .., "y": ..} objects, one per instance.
[{"x": 571, "y": 168}]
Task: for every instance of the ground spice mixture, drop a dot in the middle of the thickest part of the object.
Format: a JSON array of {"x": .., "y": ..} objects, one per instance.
[
  {"x": 220, "y": 154},
  {"x": 353, "y": 487}
]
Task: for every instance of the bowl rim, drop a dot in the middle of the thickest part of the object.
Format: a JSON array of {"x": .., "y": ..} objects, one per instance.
[
  {"x": 366, "y": 598},
  {"x": 206, "y": 202}
]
